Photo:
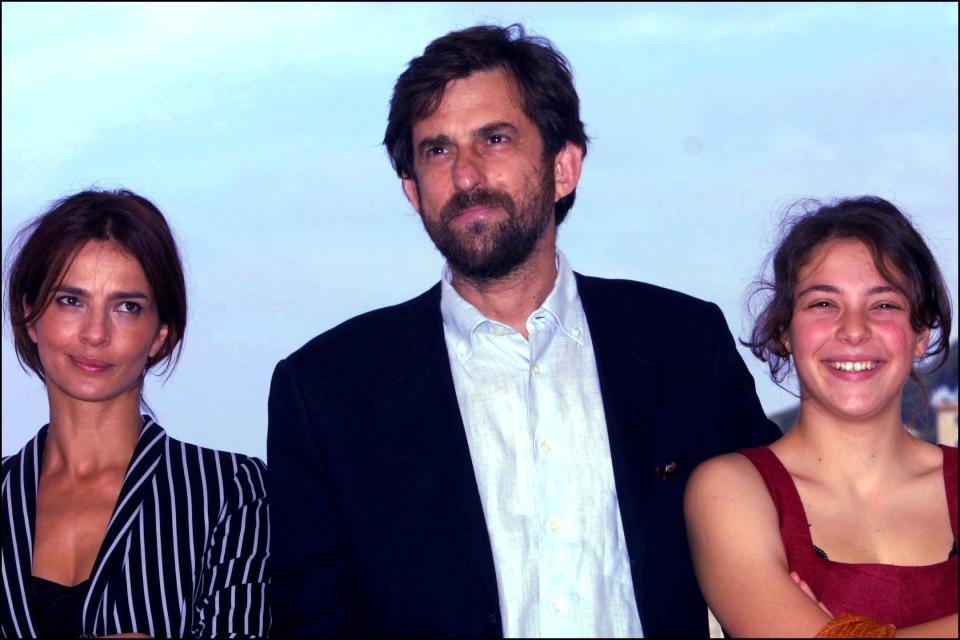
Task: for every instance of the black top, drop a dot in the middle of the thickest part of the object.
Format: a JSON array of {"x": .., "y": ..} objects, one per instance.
[{"x": 59, "y": 607}]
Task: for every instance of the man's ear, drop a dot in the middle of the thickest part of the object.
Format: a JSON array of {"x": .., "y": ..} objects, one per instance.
[
  {"x": 412, "y": 192},
  {"x": 566, "y": 170}
]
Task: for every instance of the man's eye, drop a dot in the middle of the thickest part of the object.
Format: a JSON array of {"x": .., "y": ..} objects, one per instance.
[
  {"x": 497, "y": 138},
  {"x": 70, "y": 301},
  {"x": 436, "y": 151}
]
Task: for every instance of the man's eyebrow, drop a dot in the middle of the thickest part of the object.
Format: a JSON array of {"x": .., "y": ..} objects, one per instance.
[
  {"x": 494, "y": 127},
  {"x": 433, "y": 141},
  {"x": 116, "y": 295}
]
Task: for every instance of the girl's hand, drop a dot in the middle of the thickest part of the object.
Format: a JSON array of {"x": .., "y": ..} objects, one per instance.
[{"x": 807, "y": 590}]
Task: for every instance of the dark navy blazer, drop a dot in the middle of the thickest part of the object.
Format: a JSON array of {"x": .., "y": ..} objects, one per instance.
[{"x": 377, "y": 523}]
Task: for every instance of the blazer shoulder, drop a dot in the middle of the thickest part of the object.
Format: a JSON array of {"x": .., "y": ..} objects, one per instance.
[
  {"x": 366, "y": 332},
  {"x": 26, "y": 453},
  {"x": 611, "y": 296},
  {"x": 210, "y": 458}
]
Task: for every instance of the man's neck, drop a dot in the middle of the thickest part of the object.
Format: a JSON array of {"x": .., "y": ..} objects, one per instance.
[{"x": 512, "y": 298}]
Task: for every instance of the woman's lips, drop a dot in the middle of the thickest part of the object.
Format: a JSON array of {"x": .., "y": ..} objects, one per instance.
[
  {"x": 854, "y": 369},
  {"x": 90, "y": 365}
]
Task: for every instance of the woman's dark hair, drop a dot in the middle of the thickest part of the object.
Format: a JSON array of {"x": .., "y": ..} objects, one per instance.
[
  {"x": 41, "y": 253},
  {"x": 899, "y": 254},
  {"x": 542, "y": 75}
]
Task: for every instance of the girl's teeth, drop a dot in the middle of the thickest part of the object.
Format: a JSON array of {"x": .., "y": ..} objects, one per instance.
[{"x": 854, "y": 366}]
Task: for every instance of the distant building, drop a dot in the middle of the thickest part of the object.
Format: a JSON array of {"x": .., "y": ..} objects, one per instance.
[{"x": 944, "y": 403}]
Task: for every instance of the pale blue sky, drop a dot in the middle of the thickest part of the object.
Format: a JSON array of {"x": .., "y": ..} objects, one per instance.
[{"x": 256, "y": 129}]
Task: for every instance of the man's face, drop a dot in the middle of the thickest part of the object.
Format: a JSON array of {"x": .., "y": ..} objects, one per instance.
[{"x": 482, "y": 188}]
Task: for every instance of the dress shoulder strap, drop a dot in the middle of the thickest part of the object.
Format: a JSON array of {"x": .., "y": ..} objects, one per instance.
[
  {"x": 794, "y": 526},
  {"x": 950, "y": 482}
]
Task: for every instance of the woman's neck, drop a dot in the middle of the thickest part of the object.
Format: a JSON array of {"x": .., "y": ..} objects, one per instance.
[{"x": 86, "y": 438}]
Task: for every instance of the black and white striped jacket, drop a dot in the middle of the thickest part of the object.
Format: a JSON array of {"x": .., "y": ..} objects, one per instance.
[{"x": 186, "y": 552}]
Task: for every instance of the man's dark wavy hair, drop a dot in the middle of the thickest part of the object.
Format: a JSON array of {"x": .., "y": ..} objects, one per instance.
[{"x": 542, "y": 74}]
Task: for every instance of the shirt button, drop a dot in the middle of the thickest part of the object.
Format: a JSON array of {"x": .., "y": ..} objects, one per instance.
[
  {"x": 577, "y": 331},
  {"x": 558, "y": 606},
  {"x": 553, "y": 525},
  {"x": 536, "y": 369},
  {"x": 545, "y": 446},
  {"x": 462, "y": 349},
  {"x": 499, "y": 331}
]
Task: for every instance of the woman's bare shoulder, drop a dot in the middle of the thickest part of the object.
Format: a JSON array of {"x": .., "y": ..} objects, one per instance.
[{"x": 730, "y": 470}]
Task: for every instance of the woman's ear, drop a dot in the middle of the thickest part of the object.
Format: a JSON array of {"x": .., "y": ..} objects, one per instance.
[
  {"x": 159, "y": 340},
  {"x": 31, "y": 331},
  {"x": 923, "y": 341}
]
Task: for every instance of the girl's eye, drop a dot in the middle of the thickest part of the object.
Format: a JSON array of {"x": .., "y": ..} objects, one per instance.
[
  {"x": 130, "y": 307},
  {"x": 821, "y": 304}
]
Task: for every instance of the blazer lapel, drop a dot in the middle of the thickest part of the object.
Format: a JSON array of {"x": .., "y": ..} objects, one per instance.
[
  {"x": 416, "y": 395},
  {"x": 629, "y": 385},
  {"x": 147, "y": 456},
  {"x": 19, "y": 518}
]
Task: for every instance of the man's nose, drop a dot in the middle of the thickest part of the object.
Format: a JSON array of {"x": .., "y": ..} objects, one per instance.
[{"x": 468, "y": 171}]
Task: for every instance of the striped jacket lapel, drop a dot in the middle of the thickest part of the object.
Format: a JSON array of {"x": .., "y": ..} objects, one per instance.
[
  {"x": 147, "y": 457},
  {"x": 20, "y": 476}
]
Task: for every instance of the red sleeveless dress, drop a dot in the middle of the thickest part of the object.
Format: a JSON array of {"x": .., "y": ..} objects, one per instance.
[{"x": 891, "y": 594}]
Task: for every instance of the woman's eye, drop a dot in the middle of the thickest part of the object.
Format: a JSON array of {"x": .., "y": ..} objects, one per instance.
[
  {"x": 821, "y": 304},
  {"x": 130, "y": 307},
  {"x": 70, "y": 301}
]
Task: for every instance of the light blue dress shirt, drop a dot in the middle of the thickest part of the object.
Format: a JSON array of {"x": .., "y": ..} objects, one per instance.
[{"x": 535, "y": 425}]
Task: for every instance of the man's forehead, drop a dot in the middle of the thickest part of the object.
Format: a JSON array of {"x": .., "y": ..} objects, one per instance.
[{"x": 474, "y": 101}]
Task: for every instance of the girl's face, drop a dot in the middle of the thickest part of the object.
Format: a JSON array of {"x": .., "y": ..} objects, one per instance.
[{"x": 850, "y": 335}]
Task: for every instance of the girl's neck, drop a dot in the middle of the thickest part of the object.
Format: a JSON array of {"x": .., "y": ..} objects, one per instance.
[{"x": 860, "y": 454}]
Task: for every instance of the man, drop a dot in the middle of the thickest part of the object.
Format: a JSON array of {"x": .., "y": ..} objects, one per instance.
[{"x": 507, "y": 453}]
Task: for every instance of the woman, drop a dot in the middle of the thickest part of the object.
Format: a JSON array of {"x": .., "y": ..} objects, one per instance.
[
  {"x": 110, "y": 526},
  {"x": 848, "y": 513}
]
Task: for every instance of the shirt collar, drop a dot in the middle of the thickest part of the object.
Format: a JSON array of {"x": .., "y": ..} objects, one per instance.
[
  {"x": 563, "y": 303},
  {"x": 461, "y": 319}
]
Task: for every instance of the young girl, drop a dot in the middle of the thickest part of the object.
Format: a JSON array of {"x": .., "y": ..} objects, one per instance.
[{"x": 848, "y": 513}]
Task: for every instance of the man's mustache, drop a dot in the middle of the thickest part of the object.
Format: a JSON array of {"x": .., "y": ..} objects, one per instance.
[{"x": 462, "y": 200}]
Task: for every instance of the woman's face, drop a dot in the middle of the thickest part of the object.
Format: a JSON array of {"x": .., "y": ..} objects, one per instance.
[
  {"x": 850, "y": 334},
  {"x": 99, "y": 329}
]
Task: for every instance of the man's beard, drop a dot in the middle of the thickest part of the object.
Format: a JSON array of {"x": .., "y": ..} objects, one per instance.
[{"x": 487, "y": 250}]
